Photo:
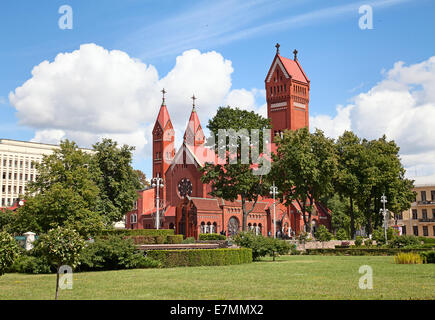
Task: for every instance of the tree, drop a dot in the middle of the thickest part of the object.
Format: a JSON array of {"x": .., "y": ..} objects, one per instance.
[
  {"x": 382, "y": 173},
  {"x": 115, "y": 178},
  {"x": 64, "y": 194},
  {"x": 322, "y": 234},
  {"x": 303, "y": 169},
  {"x": 350, "y": 167},
  {"x": 144, "y": 183},
  {"x": 7, "y": 220},
  {"x": 233, "y": 180},
  {"x": 61, "y": 246},
  {"x": 9, "y": 251}
]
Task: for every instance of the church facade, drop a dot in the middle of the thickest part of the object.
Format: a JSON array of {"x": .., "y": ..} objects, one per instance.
[{"x": 184, "y": 201}]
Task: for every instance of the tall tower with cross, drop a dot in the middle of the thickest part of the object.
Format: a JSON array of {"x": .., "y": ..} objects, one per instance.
[
  {"x": 194, "y": 136},
  {"x": 287, "y": 94},
  {"x": 163, "y": 141}
]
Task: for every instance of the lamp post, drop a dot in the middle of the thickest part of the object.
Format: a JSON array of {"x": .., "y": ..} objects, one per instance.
[
  {"x": 157, "y": 183},
  {"x": 384, "y": 212},
  {"x": 274, "y": 192}
]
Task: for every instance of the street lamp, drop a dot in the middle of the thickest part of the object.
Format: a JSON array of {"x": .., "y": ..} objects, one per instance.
[
  {"x": 384, "y": 212},
  {"x": 274, "y": 192},
  {"x": 157, "y": 183}
]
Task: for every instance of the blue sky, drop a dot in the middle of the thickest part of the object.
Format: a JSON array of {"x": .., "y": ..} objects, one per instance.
[{"x": 341, "y": 60}]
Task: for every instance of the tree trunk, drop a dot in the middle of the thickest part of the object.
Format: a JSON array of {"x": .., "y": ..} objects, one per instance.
[
  {"x": 57, "y": 283},
  {"x": 245, "y": 214},
  {"x": 352, "y": 220}
]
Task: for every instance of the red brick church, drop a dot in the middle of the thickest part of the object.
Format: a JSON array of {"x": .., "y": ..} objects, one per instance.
[{"x": 184, "y": 201}]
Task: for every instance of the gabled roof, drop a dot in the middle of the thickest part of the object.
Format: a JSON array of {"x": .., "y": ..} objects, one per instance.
[
  {"x": 206, "y": 204},
  {"x": 291, "y": 67}
]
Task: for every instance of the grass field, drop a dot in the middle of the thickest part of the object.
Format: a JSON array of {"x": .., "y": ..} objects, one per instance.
[{"x": 290, "y": 277}]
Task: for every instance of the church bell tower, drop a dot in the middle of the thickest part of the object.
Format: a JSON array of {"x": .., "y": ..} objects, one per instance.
[{"x": 287, "y": 94}]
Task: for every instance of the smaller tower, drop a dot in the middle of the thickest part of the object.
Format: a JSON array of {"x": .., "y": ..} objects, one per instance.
[{"x": 194, "y": 136}]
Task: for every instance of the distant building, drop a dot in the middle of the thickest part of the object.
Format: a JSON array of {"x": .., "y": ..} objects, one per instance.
[
  {"x": 17, "y": 167},
  {"x": 419, "y": 220}
]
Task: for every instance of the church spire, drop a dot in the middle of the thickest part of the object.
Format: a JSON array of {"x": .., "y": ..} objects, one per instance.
[
  {"x": 194, "y": 135},
  {"x": 193, "y": 99},
  {"x": 163, "y": 99}
]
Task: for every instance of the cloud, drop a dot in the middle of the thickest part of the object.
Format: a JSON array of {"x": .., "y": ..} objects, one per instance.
[
  {"x": 92, "y": 93},
  {"x": 401, "y": 106}
]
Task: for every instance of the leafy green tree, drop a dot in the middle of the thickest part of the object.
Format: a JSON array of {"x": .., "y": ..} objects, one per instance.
[
  {"x": 8, "y": 220},
  {"x": 342, "y": 235},
  {"x": 304, "y": 168},
  {"x": 115, "y": 178},
  {"x": 144, "y": 183},
  {"x": 322, "y": 234},
  {"x": 276, "y": 247},
  {"x": 64, "y": 194},
  {"x": 61, "y": 246},
  {"x": 9, "y": 251},
  {"x": 382, "y": 173},
  {"x": 350, "y": 167},
  {"x": 258, "y": 244},
  {"x": 231, "y": 181}
]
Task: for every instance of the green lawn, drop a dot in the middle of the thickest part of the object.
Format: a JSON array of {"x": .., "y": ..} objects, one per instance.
[{"x": 290, "y": 277}]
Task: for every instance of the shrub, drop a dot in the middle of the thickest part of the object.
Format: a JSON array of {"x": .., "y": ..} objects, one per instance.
[
  {"x": 30, "y": 264},
  {"x": 189, "y": 240},
  {"x": 404, "y": 241},
  {"x": 429, "y": 256},
  {"x": 342, "y": 235},
  {"x": 258, "y": 244},
  {"x": 360, "y": 251},
  {"x": 174, "y": 239},
  {"x": 138, "y": 232},
  {"x": 427, "y": 240},
  {"x": 368, "y": 242},
  {"x": 379, "y": 235},
  {"x": 276, "y": 247},
  {"x": 113, "y": 253},
  {"x": 212, "y": 236},
  {"x": 358, "y": 241},
  {"x": 9, "y": 251},
  {"x": 408, "y": 258},
  {"x": 322, "y": 234},
  {"x": 201, "y": 257},
  {"x": 303, "y": 237}
]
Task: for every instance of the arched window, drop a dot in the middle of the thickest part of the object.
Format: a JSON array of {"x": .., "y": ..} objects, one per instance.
[
  {"x": 260, "y": 228},
  {"x": 208, "y": 228},
  {"x": 202, "y": 227},
  {"x": 215, "y": 230}
]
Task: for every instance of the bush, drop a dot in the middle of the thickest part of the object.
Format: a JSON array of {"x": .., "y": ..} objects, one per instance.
[
  {"x": 404, "y": 241},
  {"x": 276, "y": 247},
  {"x": 429, "y": 256},
  {"x": 258, "y": 244},
  {"x": 368, "y": 242},
  {"x": 379, "y": 235},
  {"x": 138, "y": 232},
  {"x": 408, "y": 258},
  {"x": 342, "y": 235},
  {"x": 30, "y": 264},
  {"x": 358, "y": 241},
  {"x": 201, "y": 257},
  {"x": 174, "y": 239},
  {"x": 361, "y": 251},
  {"x": 212, "y": 236},
  {"x": 322, "y": 234},
  {"x": 303, "y": 237},
  {"x": 113, "y": 253},
  {"x": 9, "y": 251},
  {"x": 189, "y": 240}
]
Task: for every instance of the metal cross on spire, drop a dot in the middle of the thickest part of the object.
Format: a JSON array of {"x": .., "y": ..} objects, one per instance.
[
  {"x": 193, "y": 99},
  {"x": 296, "y": 54},
  {"x": 163, "y": 92},
  {"x": 277, "y": 48}
]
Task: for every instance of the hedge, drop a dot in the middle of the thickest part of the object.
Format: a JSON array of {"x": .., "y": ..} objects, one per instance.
[
  {"x": 147, "y": 239},
  {"x": 212, "y": 236},
  {"x": 361, "y": 251},
  {"x": 138, "y": 232},
  {"x": 201, "y": 257},
  {"x": 174, "y": 239}
]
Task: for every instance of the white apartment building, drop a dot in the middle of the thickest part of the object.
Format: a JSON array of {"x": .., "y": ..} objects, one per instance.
[{"x": 17, "y": 167}]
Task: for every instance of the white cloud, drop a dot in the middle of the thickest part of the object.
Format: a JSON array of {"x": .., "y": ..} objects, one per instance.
[
  {"x": 401, "y": 106},
  {"x": 92, "y": 93}
]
